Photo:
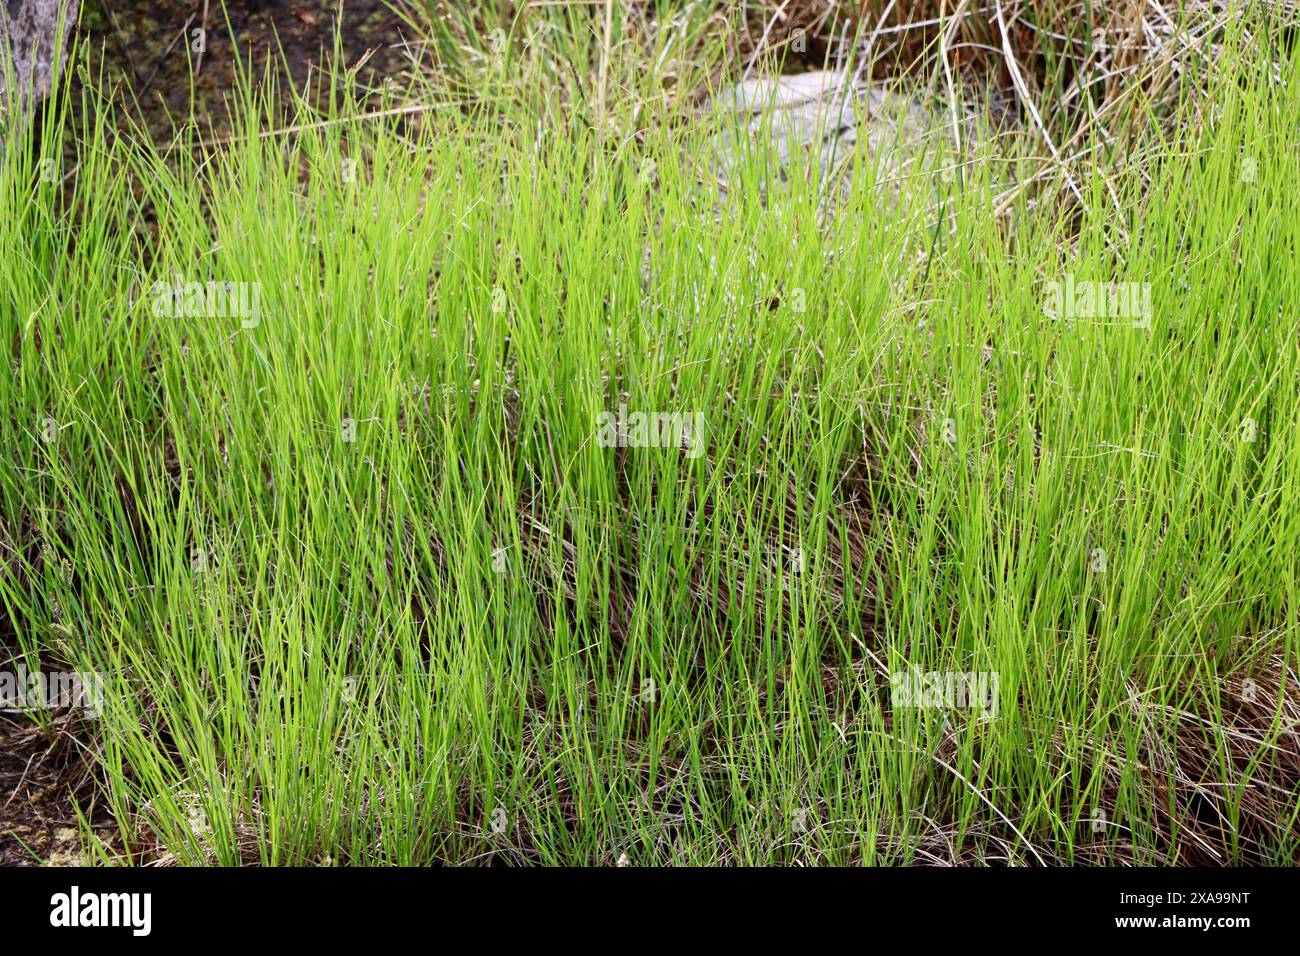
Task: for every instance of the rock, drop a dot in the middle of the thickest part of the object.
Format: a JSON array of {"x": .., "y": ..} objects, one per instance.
[
  {"x": 33, "y": 40},
  {"x": 828, "y": 112}
]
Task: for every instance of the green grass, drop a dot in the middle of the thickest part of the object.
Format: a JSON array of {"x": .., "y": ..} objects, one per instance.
[{"x": 474, "y": 634}]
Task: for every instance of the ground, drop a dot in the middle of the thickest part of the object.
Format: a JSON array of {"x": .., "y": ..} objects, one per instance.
[
  {"x": 146, "y": 44},
  {"x": 38, "y": 774}
]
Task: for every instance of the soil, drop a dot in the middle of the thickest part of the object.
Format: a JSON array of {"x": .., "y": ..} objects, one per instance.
[
  {"x": 148, "y": 49},
  {"x": 41, "y": 775}
]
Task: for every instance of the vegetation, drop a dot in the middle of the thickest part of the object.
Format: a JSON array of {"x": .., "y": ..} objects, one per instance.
[{"x": 320, "y": 449}]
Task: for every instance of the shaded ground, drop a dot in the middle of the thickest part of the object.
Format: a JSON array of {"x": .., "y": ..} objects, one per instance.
[
  {"x": 39, "y": 774},
  {"x": 148, "y": 48}
]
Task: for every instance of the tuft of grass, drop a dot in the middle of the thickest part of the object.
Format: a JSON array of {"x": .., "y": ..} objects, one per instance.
[{"x": 368, "y": 582}]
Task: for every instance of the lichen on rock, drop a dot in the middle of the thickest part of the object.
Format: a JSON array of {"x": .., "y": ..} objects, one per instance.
[{"x": 33, "y": 42}]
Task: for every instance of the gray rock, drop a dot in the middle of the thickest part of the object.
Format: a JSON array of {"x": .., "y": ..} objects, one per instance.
[
  {"x": 828, "y": 113},
  {"x": 33, "y": 36}
]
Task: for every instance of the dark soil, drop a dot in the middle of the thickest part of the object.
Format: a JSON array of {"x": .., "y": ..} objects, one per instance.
[
  {"x": 40, "y": 776},
  {"x": 146, "y": 48}
]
